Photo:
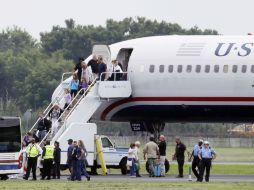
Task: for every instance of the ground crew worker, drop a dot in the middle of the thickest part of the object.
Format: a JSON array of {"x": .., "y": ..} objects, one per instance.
[
  {"x": 151, "y": 152},
  {"x": 33, "y": 151},
  {"x": 179, "y": 155},
  {"x": 47, "y": 156},
  {"x": 195, "y": 163},
  {"x": 206, "y": 155}
]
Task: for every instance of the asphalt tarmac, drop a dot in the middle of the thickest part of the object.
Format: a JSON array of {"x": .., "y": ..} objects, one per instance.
[{"x": 169, "y": 178}]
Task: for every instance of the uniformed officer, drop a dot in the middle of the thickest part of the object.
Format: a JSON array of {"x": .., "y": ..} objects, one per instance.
[
  {"x": 47, "y": 156},
  {"x": 33, "y": 151},
  {"x": 206, "y": 155},
  {"x": 195, "y": 162},
  {"x": 179, "y": 155}
]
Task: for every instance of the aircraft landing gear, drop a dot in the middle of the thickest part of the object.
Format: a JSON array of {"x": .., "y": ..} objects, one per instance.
[{"x": 156, "y": 129}]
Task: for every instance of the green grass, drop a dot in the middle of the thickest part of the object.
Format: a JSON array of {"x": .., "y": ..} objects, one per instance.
[
  {"x": 224, "y": 154},
  {"x": 116, "y": 185},
  {"x": 215, "y": 170}
]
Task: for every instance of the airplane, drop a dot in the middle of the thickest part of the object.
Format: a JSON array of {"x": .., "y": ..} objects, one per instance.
[
  {"x": 175, "y": 79},
  {"x": 165, "y": 79},
  {"x": 185, "y": 79}
]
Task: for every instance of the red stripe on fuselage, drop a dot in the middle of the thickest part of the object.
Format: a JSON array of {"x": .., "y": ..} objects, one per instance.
[
  {"x": 8, "y": 161},
  {"x": 174, "y": 99}
]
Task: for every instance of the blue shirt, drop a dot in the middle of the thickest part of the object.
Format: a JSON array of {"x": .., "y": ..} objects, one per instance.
[
  {"x": 207, "y": 152},
  {"x": 74, "y": 85},
  {"x": 196, "y": 150}
]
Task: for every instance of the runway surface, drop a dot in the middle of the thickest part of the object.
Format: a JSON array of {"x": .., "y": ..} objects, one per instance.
[{"x": 170, "y": 178}]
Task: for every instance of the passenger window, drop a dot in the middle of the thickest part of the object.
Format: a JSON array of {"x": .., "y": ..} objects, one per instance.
[
  {"x": 188, "y": 68},
  {"x": 225, "y": 69},
  {"x": 170, "y": 68},
  {"x": 161, "y": 68},
  {"x": 198, "y": 68},
  {"x": 179, "y": 68},
  {"x": 207, "y": 68},
  {"x": 216, "y": 68},
  {"x": 234, "y": 69},
  {"x": 252, "y": 68},
  {"x": 244, "y": 68},
  {"x": 151, "y": 68}
]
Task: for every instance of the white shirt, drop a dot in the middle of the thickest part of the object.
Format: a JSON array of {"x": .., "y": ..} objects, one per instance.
[{"x": 114, "y": 68}]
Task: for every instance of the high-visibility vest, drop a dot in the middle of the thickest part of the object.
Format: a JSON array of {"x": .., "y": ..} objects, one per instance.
[
  {"x": 49, "y": 154},
  {"x": 32, "y": 150}
]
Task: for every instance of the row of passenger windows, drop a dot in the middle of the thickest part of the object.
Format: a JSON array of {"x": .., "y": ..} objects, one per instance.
[{"x": 197, "y": 68}]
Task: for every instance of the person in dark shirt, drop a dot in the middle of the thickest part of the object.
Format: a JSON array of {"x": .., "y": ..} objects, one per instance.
[
  {"x": 179, "y": 155},
  {"x": 78, "y": 68},
  {"x": 76, "y": 163},
  {"x": 43, "y": 127},
  {"x": 93, "y": 63},
  {"x": 162, "y": 149},
  {"x": 57, "y": 161},
  {"x": 69, "y": 154},
  {"x": 101, "y": 68}
]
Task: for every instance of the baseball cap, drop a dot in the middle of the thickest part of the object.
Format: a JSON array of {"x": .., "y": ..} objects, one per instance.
[{"x": 206, "y": 142}]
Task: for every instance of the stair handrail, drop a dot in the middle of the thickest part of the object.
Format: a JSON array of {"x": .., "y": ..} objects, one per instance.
[
  {"x": 45, "y": 137},
  {"x": 66, "y": 73},
  {"x": 48, "y": 108},
  {"x": 108, "y": 74},
  {"x": 82, "y": 96}
]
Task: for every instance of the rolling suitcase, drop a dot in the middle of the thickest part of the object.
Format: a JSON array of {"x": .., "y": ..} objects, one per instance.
[{"x": 157, "y": 168}]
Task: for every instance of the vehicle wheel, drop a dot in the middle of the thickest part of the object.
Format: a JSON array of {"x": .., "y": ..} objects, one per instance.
[
  {"x": 167, "y": 166},
  {"x": 123, "y": 166},
  {"x": 4, "y": 177}
]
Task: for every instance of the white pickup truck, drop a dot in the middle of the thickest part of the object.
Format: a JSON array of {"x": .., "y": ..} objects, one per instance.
[{"x": 87, "y": 132}]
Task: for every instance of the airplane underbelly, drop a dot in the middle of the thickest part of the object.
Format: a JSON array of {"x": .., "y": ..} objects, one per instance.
[{"x": 181, "y": 109}]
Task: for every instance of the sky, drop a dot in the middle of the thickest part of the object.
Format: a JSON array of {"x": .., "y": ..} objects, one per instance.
[{"x": 228, "y": 17}]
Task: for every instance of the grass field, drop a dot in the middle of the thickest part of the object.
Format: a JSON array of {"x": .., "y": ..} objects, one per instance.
[
  {"x": 128, "y": 185},
  {"x": 225, "y": 154},
  {"x": 215, "y": 170}
]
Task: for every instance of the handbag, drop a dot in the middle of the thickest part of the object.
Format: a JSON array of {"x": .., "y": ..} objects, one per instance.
[
  {"x": 129, "y": 163},
  {"x": 137, "y": 166}
]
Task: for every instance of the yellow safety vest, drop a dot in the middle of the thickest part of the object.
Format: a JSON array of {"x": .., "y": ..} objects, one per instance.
[
  {"x": 49, "y": 154},
  {"x": 32, "y": 151}
]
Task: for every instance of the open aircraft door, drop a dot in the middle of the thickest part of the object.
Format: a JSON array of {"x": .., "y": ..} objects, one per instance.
[{"x": 104, "y": 51}]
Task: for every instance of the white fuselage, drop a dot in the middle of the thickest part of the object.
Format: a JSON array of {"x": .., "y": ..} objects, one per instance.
[{"x": 186, "y": 74}]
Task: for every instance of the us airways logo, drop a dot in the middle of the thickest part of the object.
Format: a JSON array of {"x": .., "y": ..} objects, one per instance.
[{"x": 243, "y": 50}]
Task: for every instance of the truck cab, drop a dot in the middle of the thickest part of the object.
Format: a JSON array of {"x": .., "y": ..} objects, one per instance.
[{"x": 114, "y": 157}]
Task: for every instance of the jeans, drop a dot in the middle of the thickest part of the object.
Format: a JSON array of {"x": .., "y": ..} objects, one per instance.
[
  {"x": 162, "y": 165},
  {"x": 76, "y": 170},
  {"x": 132, "y": 167},
  {"x": 151, "y": 166},
  {"x": 83, "y": 169},
  {"x": 42, "y": 134}
]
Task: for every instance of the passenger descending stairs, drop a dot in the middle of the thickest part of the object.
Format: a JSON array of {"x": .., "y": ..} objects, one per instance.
[
  {"x": 85, "y": 104},
  {"x": 83, "y": 109}
]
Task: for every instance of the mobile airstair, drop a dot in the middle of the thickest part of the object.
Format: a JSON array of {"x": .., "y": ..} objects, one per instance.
[{"x": 84, "y": 104}]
